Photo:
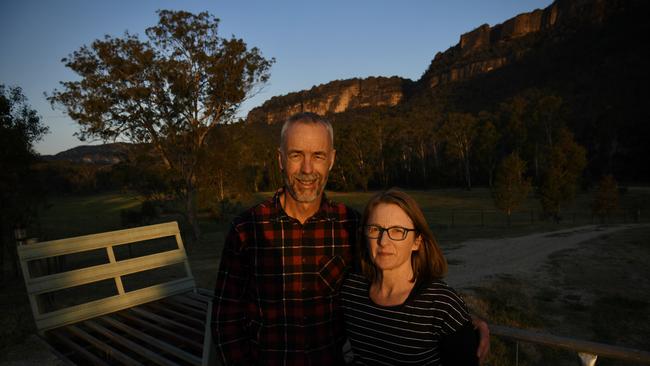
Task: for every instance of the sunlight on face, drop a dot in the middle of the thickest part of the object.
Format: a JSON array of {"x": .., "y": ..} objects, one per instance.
[
  {"x": 388, "y": 254},
  {"x": 306, "y": 160}
]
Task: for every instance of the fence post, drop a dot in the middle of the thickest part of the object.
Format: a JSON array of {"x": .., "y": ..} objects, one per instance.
[
  {"x": 517, "y": 353},
  {"x": 587, "y": 359},
  {"x": 452, "y": 217},
  {"x": 532, "y": 217},
  {"x": 482, "y": 218}
]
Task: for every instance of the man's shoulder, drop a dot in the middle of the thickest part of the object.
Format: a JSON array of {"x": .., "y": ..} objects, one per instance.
[
  {"x": 265, "y": 210},
  {"x": 342, "y": 211}
]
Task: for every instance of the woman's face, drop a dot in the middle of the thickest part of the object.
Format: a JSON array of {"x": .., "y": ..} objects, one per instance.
[{"x": 387, "y": 253}]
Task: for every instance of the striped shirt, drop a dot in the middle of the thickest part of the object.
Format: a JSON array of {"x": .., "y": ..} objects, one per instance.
[
  {"x": 277, "y": 291},
  {"x": 406, "y": 334}
]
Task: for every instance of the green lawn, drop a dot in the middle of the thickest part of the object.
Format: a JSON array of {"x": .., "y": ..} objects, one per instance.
[
  {"x": 67, "y": 216},
  {"x": 454, "y": 214}
]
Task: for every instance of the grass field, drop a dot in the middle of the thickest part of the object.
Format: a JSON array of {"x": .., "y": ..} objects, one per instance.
[{"x": 455, "y": 215}]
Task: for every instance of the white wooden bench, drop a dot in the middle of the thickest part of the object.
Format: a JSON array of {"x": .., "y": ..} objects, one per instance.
[{"x": 121, "y": 297}]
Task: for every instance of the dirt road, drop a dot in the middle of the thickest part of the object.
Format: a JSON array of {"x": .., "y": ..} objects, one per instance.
[{"x": 477, "y": 261}]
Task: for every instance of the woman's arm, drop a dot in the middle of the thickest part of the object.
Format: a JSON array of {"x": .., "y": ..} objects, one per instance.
[{"x": 459, "y": 348}]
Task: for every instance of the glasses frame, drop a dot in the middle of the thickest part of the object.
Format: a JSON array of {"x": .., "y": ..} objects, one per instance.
[{"x": 382, "y": 230}]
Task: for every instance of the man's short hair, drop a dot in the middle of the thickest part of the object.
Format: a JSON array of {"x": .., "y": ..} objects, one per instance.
[{"x": 307, "y": 118}]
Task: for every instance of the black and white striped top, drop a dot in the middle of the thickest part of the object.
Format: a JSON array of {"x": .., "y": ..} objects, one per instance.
[{"x": 406, "y": 334}]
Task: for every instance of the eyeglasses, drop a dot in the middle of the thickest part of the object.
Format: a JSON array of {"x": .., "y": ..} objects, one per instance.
[{"x": 396, "y": 233}]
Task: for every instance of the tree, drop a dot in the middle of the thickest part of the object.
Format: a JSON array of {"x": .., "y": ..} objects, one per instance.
[
  {"x": 170, "y": 91},
  {"x": 20, "y": 191},
  {"x": 486, "y": 148},
  {"x": 606, "y": 197},
  {"x": 460, "y": 131},
  {"x": 510, "y": 188},
  {"x": 563, "y": 167}
]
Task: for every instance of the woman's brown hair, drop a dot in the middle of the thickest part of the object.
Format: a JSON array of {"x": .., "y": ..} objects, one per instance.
[{"x": 428, "y": 262}]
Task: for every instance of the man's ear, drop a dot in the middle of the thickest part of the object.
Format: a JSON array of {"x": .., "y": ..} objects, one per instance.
[
  {"x": 280, "y": 158},
  {"x": 333, "y": 158}
]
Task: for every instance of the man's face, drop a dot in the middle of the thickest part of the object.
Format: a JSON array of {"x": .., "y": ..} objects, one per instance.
[{"x": 306, "y": 160}]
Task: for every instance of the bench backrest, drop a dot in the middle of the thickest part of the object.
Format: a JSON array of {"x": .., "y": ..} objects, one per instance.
[{"x": 114, "y": 269}]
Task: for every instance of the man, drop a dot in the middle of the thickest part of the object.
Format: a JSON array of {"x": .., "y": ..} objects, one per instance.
[{"x": 277, "y": 291}]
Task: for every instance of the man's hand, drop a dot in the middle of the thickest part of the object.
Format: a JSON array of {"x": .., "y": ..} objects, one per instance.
[{"x": 484, "y": 341}]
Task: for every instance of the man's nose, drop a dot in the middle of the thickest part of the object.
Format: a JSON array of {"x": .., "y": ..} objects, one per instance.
[{"x": 307, "y": 166}]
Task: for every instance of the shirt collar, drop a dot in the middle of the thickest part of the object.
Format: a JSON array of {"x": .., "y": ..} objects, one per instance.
[{"x": 324, "y": 212}]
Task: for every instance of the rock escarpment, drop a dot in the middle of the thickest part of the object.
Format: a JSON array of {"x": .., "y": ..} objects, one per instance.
[{"x": 334, "y": 97}]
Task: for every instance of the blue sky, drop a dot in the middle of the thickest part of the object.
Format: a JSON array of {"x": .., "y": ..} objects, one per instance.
[{"x": 313, "y": 42}]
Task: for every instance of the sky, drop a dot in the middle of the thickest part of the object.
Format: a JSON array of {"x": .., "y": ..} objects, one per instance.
[{"x": 313, "y": 42}]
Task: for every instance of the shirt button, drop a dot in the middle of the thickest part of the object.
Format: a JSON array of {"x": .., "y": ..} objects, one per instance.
[{"x": 304, "y": 260}]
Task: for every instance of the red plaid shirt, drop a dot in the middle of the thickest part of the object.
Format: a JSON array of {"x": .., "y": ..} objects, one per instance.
[{"x": 277, "y": 292}]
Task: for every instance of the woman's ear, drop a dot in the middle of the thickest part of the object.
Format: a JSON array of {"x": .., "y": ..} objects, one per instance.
[{"x": 417, "y": 243}]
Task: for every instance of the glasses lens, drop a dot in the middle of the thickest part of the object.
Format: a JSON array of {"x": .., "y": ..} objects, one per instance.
[
  {"x": 396, "y": 233},
  {"x": 372, "y": 232}
]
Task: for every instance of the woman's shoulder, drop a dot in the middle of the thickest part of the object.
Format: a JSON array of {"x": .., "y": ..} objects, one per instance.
[
  {"x": 438, "y": 291},
  {"x": 354, "y": 285}
]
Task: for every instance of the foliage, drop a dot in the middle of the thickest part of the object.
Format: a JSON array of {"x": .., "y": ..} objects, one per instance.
[
  {"x": 511, "y": 187},
  {"x": 460, "y": 131},
  {"x": 563, "y": 167},
  {"x": 20, "y": 191},
  {"x": 606, "y": 197},
  {"x": 170, "y": 91}
]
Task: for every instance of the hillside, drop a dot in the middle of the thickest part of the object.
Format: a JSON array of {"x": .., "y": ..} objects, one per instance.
[
  {"x": 93, "y": 154},
  {"x": 589, "y": 53}
]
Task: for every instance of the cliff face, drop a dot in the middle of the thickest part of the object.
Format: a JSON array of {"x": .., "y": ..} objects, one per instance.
[
  {"x": 334, "y": 97},
  {"x": 486, "y": 48},
  {"x": 479, "y": 51}
]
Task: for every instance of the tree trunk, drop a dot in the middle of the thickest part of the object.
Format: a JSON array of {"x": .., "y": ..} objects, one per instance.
[
  {"x": 468, "y": 178},
  {"x": 190, "y": 209}
]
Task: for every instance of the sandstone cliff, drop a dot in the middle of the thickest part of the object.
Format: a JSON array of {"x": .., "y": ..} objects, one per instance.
[
  {"x": 478, "y": 52},
  {"x": 486, "y": 48},
  {"x": 334, "y": 97}
]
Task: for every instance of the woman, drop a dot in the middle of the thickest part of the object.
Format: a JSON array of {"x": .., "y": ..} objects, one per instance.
[{"x": 398, "y": 310}]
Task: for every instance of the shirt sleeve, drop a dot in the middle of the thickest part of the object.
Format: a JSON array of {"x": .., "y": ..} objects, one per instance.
[
  {"x": 459, "y": 348},
  {"x": 229, "y": 307},
  {"x": 453, "y": 313}
]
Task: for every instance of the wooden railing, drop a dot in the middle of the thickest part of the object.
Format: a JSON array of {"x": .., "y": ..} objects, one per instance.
[{"x": 588, "y": 352}]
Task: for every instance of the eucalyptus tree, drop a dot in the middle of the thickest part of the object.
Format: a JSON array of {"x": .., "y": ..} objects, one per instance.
[{"x": 169, "y": 90}]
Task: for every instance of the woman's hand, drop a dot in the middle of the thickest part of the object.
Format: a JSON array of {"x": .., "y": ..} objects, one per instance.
[{"x": 484, "y": 341}]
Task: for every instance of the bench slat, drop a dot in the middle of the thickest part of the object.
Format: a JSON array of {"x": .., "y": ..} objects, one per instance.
[
  {"x": 101, "y": 272},
  {"x": 110, "y": 351},
  {"x": 84, "y": 243},
  {"x": 167, "y": 322},
  {"x": 62, "y": 337},
  {"x": 110, "y": 304},
  {"x": 142, "y": 351},
  {"x": 188, "y": 309},
  {"x": 168, "y": 312},
  {"x": 152, "y": 328},
  {"x": 202, "y": 306},
  {"x": 163, "y": 346}
]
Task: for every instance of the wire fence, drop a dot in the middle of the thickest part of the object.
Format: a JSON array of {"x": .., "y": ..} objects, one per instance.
[{"x": 459, "y": 218}]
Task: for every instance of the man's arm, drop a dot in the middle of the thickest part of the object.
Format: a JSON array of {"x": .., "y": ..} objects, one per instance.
[
  {"x": 484, "y": 339},
  {"x": 229, "y": 307}
]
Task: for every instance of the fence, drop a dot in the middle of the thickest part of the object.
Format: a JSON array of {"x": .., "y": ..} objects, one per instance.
[
  {"x": 588, "y": 352},
  {"x": 456, "y": 218}
]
